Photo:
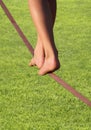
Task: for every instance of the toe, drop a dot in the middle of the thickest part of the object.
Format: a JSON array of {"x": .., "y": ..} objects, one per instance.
[{"x": 32, "y": 62}]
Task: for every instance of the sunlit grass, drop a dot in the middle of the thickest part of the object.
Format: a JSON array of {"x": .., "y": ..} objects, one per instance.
[{"x": 32, "y": 102}]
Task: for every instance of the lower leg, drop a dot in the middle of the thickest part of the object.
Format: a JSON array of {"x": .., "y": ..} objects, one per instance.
[
  {"x": 53, "y": 10},
  {"x": 42, "y": 18},
  {"x": 39, "y": 50},
  {"x": 38, "y": 58}
]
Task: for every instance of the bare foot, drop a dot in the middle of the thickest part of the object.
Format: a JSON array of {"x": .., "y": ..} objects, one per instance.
[
  {"x": 50, "y": 65},
  {"x": 38, "y": 58}
]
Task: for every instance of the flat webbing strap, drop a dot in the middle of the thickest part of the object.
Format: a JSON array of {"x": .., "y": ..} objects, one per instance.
[{"x": 52, "y": 75}]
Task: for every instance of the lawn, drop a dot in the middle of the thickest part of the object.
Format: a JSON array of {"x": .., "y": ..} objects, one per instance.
[{"x": 32, "y": 102}]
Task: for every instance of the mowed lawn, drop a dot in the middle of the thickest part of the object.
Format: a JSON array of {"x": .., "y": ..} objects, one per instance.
[{"x": 32, "y": 102}]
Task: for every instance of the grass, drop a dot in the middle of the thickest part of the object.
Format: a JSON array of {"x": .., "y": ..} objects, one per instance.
[{"x": 32, "y": 102}]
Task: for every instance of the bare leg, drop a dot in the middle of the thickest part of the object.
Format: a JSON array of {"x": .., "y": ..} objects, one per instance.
[
  {"x": 38, "y": 58},
  {"x": 53, "y": 8},
  {"x": 42, "y": 18}
]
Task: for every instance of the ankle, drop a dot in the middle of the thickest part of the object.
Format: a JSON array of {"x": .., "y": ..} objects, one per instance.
[{"x": 51, "y": 53}]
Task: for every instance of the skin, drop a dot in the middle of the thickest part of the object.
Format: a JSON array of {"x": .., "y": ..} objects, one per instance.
[{"x": 43, "y": 13}]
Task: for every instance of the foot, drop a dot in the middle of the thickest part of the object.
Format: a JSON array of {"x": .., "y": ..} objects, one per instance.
[
  {"x": 50, "y": 65},
  {"x": 38, "y": 58}
]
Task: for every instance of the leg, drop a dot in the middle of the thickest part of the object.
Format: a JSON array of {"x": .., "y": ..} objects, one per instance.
[
  {"x": 41, "y": 15},
  {"x": 53, "y": 8},
  {"x": 38, "y": 58}
]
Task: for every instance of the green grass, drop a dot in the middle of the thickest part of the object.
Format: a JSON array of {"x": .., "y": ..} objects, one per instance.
[{"x": 32, "y": 102}]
